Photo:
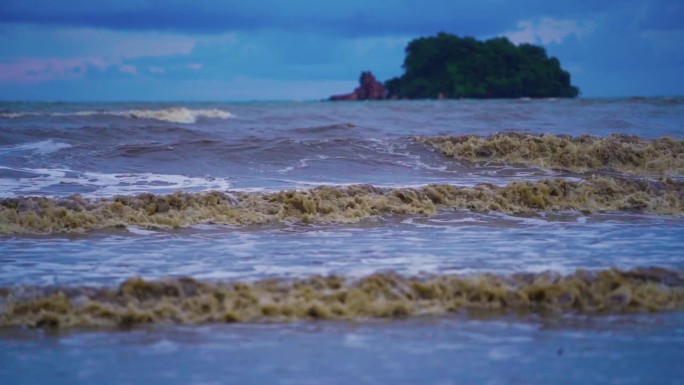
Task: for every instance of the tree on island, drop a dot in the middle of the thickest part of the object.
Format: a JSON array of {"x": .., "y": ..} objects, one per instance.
[{"x": 448, "y": 66}]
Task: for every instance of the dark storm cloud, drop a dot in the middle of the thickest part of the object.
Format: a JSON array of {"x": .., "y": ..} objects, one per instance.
[
  {"x": 350, "y": 18},
  {"x": 661, "y": 15},
  {"x": 611, "y": 47}
]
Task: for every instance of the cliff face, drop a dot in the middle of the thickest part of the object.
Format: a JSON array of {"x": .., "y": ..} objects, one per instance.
[{"x": 369, "y": 89}]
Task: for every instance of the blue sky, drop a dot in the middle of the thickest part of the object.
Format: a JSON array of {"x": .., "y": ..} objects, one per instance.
[{"x": 300, "y": 50}]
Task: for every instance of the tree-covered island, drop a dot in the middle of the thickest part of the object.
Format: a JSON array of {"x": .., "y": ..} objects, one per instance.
[{"x": 449, "y": 66}]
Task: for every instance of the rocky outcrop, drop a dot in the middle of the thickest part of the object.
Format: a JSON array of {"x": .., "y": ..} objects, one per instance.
[{"x": 369, "y": 89}]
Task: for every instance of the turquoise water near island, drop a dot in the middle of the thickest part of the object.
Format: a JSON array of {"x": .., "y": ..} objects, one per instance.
[{"x": 103, "y": 150}]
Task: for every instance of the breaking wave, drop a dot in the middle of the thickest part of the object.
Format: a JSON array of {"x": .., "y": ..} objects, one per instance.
[
  {"x": 329, "y": 204},
  {"x": 381, "y": 295},
  {"x": 42, "y": 147},
  {"x": 663, "y": 156},
  {"x": 26, "y": 181},
  {"x": 172, "y": 115}
]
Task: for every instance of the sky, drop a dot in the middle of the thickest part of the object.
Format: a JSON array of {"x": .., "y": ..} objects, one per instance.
[{"x": 210, "y": 50}]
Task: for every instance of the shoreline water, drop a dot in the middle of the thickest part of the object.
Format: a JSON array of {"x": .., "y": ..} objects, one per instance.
[{"x": 354, "y": 191}]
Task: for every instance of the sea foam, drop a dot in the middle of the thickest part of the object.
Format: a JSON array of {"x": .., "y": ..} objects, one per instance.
[
  {"x": 625, "y": 153},
  {"x": 330, "y": 204},
  {"x": 381, "y": 295}
]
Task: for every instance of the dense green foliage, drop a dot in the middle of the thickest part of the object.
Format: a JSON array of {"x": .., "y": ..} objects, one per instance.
[{"x": 454, "y": 67}]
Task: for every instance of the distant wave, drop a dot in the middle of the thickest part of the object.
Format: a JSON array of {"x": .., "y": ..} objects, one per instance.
[
  {"x": 43, "y": 147},
  {"x": 172, "y": 115},
  {"x": 627, "y": 153}
]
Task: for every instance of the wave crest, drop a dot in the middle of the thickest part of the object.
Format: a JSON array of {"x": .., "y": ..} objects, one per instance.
[
  {"x": 381, "y": 295},
  {"x": 663, "y": 156},
  {"x": 172, "y": 115},
  {"x": 330, "y": 204}
]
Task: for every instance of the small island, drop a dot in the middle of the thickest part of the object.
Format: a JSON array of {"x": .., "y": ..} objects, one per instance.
[{"x": 451, "y": 67}]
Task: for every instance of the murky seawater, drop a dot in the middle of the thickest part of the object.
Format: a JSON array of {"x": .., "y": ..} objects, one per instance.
[
  {"x": 617, "y": 350},
  {"x": 246, "y": 150},
  {"x": 447, "y": 243}
]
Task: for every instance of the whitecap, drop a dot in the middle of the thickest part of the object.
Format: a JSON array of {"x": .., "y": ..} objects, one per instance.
[
  {"x": 52, "y": 182},
  {"x": 173, "y": 115},
  {"x": 43, "y": 147},
  {"x": 140, "y": 231}
]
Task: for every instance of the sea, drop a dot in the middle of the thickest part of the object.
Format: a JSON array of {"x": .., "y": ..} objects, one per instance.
[{"x": 327, "y": 243}]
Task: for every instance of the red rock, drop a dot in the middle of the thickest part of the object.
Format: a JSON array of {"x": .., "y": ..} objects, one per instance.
[{"x": 369, "y": 89}]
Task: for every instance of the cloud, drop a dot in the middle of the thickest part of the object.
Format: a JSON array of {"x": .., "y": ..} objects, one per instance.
[
  {"x": 660, "y": 15},
  {"x": 371, "y": 45},
  {"x": 32, "y": 70},
  {"x": 41, "y": 40},
  {"x": 351, "y": 18},
  {"x": 156, "y": 70},
  {"x": 668, "y": 44},
  {"x": 37, "y": 53},
  {"x": 288, "y": 55},
  {"x": 128, "y": 69},
  {"x": 549, "y": 30},
  {"x": 126, "y": 44},
  {"x": 73, "y": 47}
]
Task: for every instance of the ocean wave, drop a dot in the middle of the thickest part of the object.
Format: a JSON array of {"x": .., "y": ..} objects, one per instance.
[
  {"x": 172, "y": 115},
  {"x": 42, "y": 147},
  {"x": 381, "y": 295},
  {"x": 663, "y": 156},
  {"x": 330, "y": 204},
  {"x": 28, "y": 180}
]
